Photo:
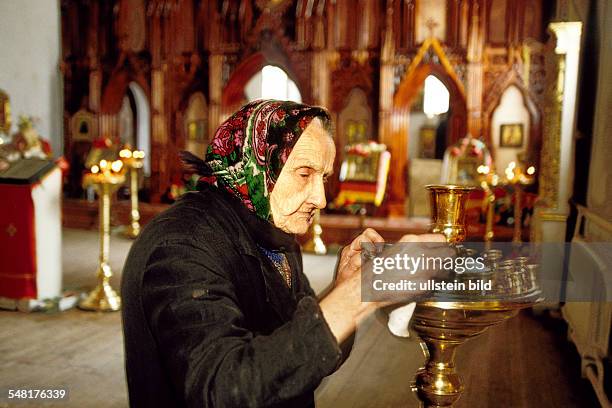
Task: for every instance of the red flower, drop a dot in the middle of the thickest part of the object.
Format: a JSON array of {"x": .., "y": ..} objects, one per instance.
[
  {"x": 304, "y": 121},
  {"x": 244, "y": 190},
  {"x": 222, "y": 142},
  {"x": 278, "y": 116}
]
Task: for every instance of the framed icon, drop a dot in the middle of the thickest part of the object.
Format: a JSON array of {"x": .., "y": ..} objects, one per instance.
[{"x": 511, "y": 135}]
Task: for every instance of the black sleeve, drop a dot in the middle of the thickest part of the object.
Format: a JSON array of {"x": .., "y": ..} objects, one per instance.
[{"x": 211, "y": 359}]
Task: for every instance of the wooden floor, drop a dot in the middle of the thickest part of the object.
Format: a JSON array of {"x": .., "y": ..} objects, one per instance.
[{"x": 525, "y": 362}]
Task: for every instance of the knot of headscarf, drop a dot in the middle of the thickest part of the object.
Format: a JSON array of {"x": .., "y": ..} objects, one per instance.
[{"x": 249, "y": 150}]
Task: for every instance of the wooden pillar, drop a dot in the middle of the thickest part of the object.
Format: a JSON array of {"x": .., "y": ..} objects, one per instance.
[
  {"x": 215, "y": 87},
  {"x": 391, "y": 121},
  {"x": 475, "y": 69}
]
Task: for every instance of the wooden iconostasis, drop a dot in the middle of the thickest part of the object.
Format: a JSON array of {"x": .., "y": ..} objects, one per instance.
[{"x": 162, "y": 74}]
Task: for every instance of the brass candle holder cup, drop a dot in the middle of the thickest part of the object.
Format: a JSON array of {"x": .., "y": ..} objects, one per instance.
[
  {"x": 105, "y": 177},
  {"x": 447, "y": 203},
  {"x": 445, "y": 325}
]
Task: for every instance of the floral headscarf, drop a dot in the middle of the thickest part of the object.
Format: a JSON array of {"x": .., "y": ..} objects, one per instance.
[{"x": 250, "y": 148}]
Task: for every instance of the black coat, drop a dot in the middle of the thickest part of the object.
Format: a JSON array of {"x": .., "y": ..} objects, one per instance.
[{"x": 207, "y": 319}]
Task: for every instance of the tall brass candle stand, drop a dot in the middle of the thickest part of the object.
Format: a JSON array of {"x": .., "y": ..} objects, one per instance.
[
  {"x": 488, "y": 180},
  {"x": 445, "y": 325},
  {"x": 518, "y": 178},
  {"x": 106, "y": 177},
  {"x": 134, "y": 161},
  {"x": 316, "y": 244}
]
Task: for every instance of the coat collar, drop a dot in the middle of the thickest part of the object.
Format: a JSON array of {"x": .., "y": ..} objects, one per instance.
[{"x": 263, "y": 232}]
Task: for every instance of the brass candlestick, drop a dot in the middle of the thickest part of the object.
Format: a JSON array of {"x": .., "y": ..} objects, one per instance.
[
  {"x": 447, "y": 204},
  {"x": 518, "y": 178},
  {"x": 488, "y": 181},
  {"x": 134, "y": 161},
  {"x": 106, "y": 178},
  {"x": 443, "y": 326},
  {"x": 316, "y": 244}
]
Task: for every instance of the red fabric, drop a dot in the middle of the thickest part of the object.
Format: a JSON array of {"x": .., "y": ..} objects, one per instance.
[
  {"x": 363, "y": 186},
  {"x": 17, "y": 242}
]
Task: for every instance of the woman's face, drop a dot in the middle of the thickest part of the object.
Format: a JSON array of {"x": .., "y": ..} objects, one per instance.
[{"x": 299, "y": 190}]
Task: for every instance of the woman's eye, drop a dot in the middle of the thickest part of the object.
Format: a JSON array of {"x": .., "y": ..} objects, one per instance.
[{"x": 304, "y": 174}]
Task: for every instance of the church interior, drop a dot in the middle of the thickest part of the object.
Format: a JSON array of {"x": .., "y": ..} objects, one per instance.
[{"x": 511, "y": 97}]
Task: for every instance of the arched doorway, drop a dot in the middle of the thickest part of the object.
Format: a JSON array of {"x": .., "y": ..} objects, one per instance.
[
  {"x": 134, "y": 125},
  {"x": 246, "y": 75},
  {"x": 195, "y": 124},
  {"x": 522, "y": 105},
  {"x": 397, "y": 124},
  {"x": 125, "y": 112}
]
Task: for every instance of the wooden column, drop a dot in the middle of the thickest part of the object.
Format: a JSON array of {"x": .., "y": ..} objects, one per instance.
[
  {"x": 389, "y": 122},
  {"x": 475, "y": 69}
]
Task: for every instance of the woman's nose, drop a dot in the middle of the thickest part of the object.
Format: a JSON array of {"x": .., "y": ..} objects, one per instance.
[{"x": 317, "y": 196}]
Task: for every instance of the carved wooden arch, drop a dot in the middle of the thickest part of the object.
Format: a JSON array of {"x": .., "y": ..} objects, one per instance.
[
  {"x": 233, "y": 92},
  {"x": 492, "y": 99},
  {"x": 181, "y": 113},
  {"x": 345, "y": 79},
  {"x": 396, "y": 126},
  {"x": 411, "y": 86},
  {"x": 117, "y": 86}
]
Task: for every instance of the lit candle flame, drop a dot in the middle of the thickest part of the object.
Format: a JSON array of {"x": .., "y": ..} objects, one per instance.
[
  {"x": 116, "y": 166},
  {"x": 95, "y": 169},
  {"x": 531, "y": 170},
  {"x": 125, "y": 153}
]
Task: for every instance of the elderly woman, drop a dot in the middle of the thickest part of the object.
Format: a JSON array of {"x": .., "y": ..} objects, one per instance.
[{"x": 217, "y": 310}]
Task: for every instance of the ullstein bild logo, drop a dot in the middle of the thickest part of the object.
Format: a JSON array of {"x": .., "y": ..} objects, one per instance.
[{"x": 431, "y": 285}]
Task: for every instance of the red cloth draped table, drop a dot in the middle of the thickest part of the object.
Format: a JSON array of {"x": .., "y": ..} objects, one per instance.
[{"x": 30, "y": 231}]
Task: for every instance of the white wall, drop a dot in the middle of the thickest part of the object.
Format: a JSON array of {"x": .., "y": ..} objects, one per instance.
[
  {"x": 511, "y": 110},
  {"x": 29, "y": 64}
]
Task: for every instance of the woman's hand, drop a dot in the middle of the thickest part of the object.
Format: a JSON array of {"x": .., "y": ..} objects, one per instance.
[
  {"x": 343, "y": 307},
  {"x": 350, "y": 258}
]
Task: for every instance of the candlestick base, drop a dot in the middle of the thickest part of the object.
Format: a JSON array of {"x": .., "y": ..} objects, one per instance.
[
  {"x": 103, "y": 298},
  {"x": 133, "y": 230},
  {"x": 442, "y": 327}
]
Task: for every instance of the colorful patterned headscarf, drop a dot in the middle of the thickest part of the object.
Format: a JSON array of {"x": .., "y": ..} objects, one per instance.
[{"x": 249, "y": 149}]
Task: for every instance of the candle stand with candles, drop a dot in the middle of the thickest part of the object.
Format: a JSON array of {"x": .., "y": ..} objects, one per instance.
[
  {"x": 518, "y": 178},
  {"x": 133, "y": 161},
  {"x": 105, "y": 177}
]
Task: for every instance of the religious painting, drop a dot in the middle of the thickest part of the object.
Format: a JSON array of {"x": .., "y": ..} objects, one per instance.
[
  {"x": 511, "y": 135},
  {"x": 196, "y": 131},
  {"x": 427, "y": 141},
  {"x": 83, "y": 126},
  {"x": 5, "y": 113},
  {"x": 356, "y": 131},
  {"x": 196, "y": 125},
  {"x": 355, "y": 119}
]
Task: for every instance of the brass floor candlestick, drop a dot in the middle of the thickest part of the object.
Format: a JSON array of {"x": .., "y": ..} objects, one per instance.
[
  {"x": 517, "y": 177},
  {"x": 316, "y": 244},
  {"x": 443, "y": 326},
  {"x": 106, "y": 179},
  {"x": 489, "y": 234},
  {"x": 134, "y": 161},
  {"x": 518, "y": 214}
]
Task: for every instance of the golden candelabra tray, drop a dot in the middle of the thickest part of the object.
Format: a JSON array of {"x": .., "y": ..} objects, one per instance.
[{"x": 445, "y": 325}]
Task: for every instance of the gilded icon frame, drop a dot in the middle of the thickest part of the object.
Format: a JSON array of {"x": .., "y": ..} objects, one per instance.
[{"x": 5, "y": 113}]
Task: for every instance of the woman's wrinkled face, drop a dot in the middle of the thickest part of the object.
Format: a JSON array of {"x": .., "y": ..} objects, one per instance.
[{"x": 299, "y": 190}]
